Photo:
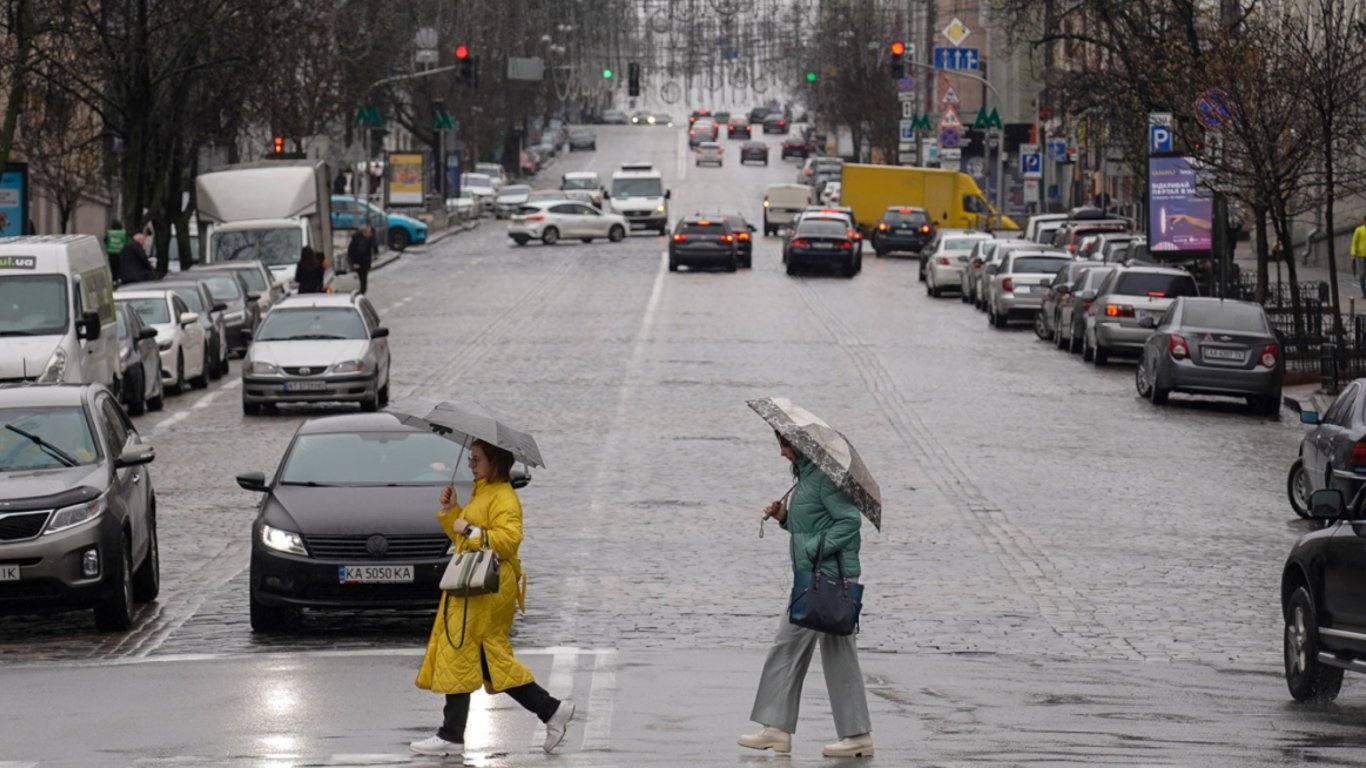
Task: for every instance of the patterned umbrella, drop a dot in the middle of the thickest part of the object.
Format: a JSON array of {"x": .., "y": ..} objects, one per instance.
[
  {"x": 828, "y": 449},
  {"x": 465, "y": 422}
]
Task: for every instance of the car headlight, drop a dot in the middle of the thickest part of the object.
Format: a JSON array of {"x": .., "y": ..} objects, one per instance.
[
  {"x": 70, "y": 517},
  {"x": 263, "y": 368},
  {"x": 282, "y": 541},
  {"x": 55, "y": 370},
  {"x": 348, "y": 366},
  {"x": 237, "y": 316},
  {"x": 659, "y": 209}
]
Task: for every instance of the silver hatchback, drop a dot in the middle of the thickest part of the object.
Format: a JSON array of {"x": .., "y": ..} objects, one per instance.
[
  {"x": 1127, "y": 298},
  {"x": 318, "y": 348}
]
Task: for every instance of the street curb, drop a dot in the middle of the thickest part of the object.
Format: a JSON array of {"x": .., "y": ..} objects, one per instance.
[{"x": 447, "y": 232}]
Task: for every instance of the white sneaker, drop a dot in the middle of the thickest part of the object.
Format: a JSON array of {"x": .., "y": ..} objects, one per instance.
[
  {"x": 558, "y": 723},
  {"x": 854, "y": 746},
  {"x": 772, "y": 738},
  {"x": 438, "y": 746}
]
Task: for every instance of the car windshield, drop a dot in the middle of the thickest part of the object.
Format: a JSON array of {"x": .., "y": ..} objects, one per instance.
[
  {"x": 1151, "y": 284},
  {"x": 481, "y": 185},
  {"x": 1039, "y": 264},
  {"x": 1224, "y": 316},
  {"x": 713, "y": 228},
  {"x": 223, "y": 288},
  {"x": 374, "y": 458},
  {"x": 961, "y": 243},
  {"x": 191, "y": 298},
  {"x": 32, "y": 305},
  {"x": 907, "y": 217},
  {"x": 515, "y": 190},
  {"x": 153, "y": 311},
  {"x": 64, "y": 430},
  {"x": 253, "y": 279},
  {"x": 579, "y": 184},
  {"x": 312, "y": 323},
  {"x": 637, "y": 188},
  {"x": 272, "y": 247}
]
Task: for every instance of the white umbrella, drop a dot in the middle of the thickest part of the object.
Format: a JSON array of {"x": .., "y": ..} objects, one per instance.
[{"x": 465, "y": 422}]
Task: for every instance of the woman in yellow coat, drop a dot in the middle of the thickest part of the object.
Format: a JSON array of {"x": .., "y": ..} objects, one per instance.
[{"x": 469, "y": 647}]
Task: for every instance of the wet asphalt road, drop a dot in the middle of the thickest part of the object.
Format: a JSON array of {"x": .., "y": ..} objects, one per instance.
[{"x": 1055, "y": 549}]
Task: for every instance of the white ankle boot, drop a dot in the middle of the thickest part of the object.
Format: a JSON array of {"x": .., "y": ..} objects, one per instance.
[
  {"x": 853, "y": 746},
  {"x": 769, "y": 738}
]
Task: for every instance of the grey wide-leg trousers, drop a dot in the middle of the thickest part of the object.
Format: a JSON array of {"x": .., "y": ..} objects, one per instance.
[{"x": 780, "y": 686}]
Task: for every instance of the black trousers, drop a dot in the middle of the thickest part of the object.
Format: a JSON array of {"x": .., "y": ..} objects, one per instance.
[
  {"x": 456, "y": 711},
  {"x": 363, "y": 274}
]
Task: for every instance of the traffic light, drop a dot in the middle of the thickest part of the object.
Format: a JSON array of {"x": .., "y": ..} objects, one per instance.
[
  {"x": 898, "y": 64},
  {"x": 606, "y": 73},
  {"x": 810, "y": 76},
  {"x": 465, "y": 62},
  {"x": 633, "y": 79},
  {"x": 278, "y": 145}
]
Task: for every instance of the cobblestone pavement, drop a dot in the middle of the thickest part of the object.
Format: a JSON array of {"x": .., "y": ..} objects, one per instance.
[{"x": 1034, "y": 508}]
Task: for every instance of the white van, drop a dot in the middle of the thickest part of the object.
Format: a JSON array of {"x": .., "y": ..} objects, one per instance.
[
  {"x": 57, "y": 322},
  {"x": 640, "y": 196},
  {"x": 782, "y": 203}
]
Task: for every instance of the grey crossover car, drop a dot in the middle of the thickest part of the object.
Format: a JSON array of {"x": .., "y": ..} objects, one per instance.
[
  {"x": 1123, "y": 301},
  {"x": 1016, "y": 287},
  {"x": 78, "y": 524},
  {"x": 318, "y": 348}
]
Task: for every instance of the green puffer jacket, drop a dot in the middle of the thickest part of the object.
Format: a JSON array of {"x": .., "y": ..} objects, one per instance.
[{"x": 818, "y": 506}]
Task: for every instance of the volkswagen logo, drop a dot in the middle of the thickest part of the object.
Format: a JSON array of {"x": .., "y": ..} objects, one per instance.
[
  {"x": 305, "y": 371},
  {"x": 377, "y": 546}
]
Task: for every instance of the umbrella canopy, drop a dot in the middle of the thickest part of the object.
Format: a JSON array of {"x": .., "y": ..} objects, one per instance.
[
  {"x": 829, "y": 450},
  {"x": 466, "y": 422}
]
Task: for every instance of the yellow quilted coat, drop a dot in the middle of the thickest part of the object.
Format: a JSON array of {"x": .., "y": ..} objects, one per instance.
[{"x": 447, "y": 669}]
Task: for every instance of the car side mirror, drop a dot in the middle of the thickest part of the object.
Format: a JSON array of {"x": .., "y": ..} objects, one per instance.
[
  {"x": 136, "y": 456},
  {"x": 253, "y": 297},
  {"x": 379, "y": 333},
  {"x": 220, "y": 307},
  {"x": 147, "y": 333},
  {"x": 1064, "y": 289},
  {"x": 668, "y": 193},
  {"x": 1087, "y": 295},
  {"x": 1309, "y": 417},
  {"x": 1147, "y": 322},
  {"x": 252, "y": 481},
  {"x": 751, "y": 228},
  {"x": 89, "y": 327},
  {"x": 189, "y": 318},
  {"x": 1327, "y": 504}
]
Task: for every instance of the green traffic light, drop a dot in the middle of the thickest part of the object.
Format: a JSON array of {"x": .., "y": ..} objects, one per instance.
[
  {"x": 607, "y": 74},
  {"x": 810, "y": 77}
]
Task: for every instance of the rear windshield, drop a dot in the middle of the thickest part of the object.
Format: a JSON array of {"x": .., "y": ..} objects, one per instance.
[
  {"x": 1149, "y": 284},
  {"x": 714, "y": 228},
  {"x": 253, "y": 279},
  {"x": 910, "y": 217},
  {"x": 1046, "y": 231},
  {"x": 579, "y": 184},
  {"x": 516, "y": 189},
  {"x": 822, "y": 229},
  {"x": 1041, "y": 264},
  {"x": 1224, "y": 316},
  {"x": 1094, "y": 277},
  {"x": 961, "y": 243}
]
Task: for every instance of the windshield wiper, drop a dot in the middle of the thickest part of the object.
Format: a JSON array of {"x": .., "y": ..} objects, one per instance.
[
  {"x": 20, "y": 333},
  {"x": 308, "y": 483},
  {"x": 311, "y": 336},
  {"x": 48, "y": 448}
]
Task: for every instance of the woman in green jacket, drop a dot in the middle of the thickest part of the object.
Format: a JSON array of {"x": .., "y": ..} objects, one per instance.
[{"x": 813, "y": 507}]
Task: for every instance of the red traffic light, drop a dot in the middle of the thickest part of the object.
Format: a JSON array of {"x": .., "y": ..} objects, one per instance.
[
  {"x": 461, "y": 52},
  {"x": 279, "y": 145},
  {"x": 898, "y": 48}
]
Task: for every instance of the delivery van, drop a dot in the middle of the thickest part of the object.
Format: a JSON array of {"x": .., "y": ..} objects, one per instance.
[
  {"x": 638, "y": 193},
  {"x": 782, "y": 203},
  {"x": 57, "y": 322},
  {"x": 952, "y": 199}
]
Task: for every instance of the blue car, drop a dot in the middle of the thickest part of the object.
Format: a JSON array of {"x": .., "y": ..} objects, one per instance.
[
  {"x": 405, "y": 230},
  {"x": 397, "y": 230}
]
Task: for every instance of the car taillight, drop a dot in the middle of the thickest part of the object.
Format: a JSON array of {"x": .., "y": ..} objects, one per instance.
[
  {"x": 780, "y": 122},
  {"x": 977, "y": 265},
  {"x": 882, "y": 226},
  {"x": 1008, "y": 284},
  {"x": 1119, "y": 310},
  {"x": 742, "y": 236},
  {"x": 846, "y": 244},
  {"x": 537, "y": 217},
  {"x": 727, "y": 238},
  {"x": 800, "y": 243},
  {"x": 680, "y": 237},
  {"x": 1087, "y": 302},
  {"x": 924, "y": 229},
  {"x": 807, "y": 171},
  {"x": 943, "y": 261},
  {"x": 1072, "y": 249},
  {"x": 1359, "y": 453},
  {"x": 1177, "y": 346},
  {"x": 1269, "y": 354}
]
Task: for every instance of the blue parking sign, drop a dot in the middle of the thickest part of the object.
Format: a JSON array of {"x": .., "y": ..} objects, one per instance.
[{"x": 1159, "y": 139}]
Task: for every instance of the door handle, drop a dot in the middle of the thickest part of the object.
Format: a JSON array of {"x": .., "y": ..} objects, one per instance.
[{"x": 137, "y": 477}]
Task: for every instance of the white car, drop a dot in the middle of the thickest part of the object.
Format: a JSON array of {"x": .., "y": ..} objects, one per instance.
[
  {"x": 583, "y": 185},
  {"x": 509, "y": 199},
  {"x": 830, "y": 194},
  {"x": 710, "y": 152},
  {"x": 480, "y": 186},
  {"x": 181, "y": 338},
  {"x": 945, "y": 259},
  {"x": 550, "y": 220}
]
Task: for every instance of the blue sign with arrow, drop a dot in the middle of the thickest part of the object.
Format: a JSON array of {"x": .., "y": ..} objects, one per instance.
[{"x": 957, "y": 58}]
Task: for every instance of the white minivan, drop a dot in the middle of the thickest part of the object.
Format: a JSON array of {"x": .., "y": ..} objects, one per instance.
[
  {"x": 57, "y": 321},
  {"x": 782, "y": 203}
]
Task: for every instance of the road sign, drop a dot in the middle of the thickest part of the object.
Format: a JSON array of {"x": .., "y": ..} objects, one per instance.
[
  {"x": 425, "y": 56},
  {"x": 1160, "y": 118},
  {"x": 907, "y": 110},
  {"x": 931, "y": 154},
  {"x": 369, "y": 117},
  {"x": 1031, "y": 190},
  {"x": 956, "y": 32},
  {"x": 922, "y": 123},
  {"x": 949, "y": 96},
  {"x": 1212, "y": 109},
  {"x": 948, "y": 138},
  {"x": 1159, "y": 139},
  {"x": 950, "y": 153},
  {"x": 441, "y": 121},
  {"x": 907, "y": 130},
  {"x": 956, "y": 58},
  {"x": 950, "y": 118},
  {"x": 905, "y": 84},
  {"x": 906, "y": 96},
  {"x": 1031, "y": 162},
  {"x": 986, "y": 120}
]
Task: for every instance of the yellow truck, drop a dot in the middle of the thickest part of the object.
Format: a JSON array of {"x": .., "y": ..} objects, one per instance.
[{"x": 952, "y": 199}]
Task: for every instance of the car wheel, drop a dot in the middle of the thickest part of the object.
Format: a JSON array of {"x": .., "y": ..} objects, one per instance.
[
  {"x": 1101, "y": 356},
  {"x": 398, "y": 239},
  {"x": 202, "y": 380},
  {"x": 748, "y": 262},
  {"x": 270, "y": 618},
  {"x": 251, "y": 409},
  {"x": 550, "y": 236},
  {"x": 147, "y": 578},
  {"x": 135, "y": 392},
  {"x": 225, "y": 366},
  {"x": 617, "y": 233},
  {"x": 1086, "y": 352},
  {"x": 1307, "y": 678},
  {"x": 963, "y": 295},
  {"x": 1141, "y": 378},
  {"x": 115, "y": 612},
  {"x": 922, "y": 269},
  {"x": 179, "y": 386},
  {"x": 1297, "y": 488},
  {"x": 1074, "y": 343},
  {"x": 522, "y": 240},
  {"x": 733, "y": 265},
  {"x": 1040, "y": 327},
  {"x": 384, "y": 394},
  {"x": 1057, "y": 333},
  {"x": 1156, "y": 395},
  {"x": 215, "y": 369},
  {"x": 371, "y": 404},
  {"x": 157, "y": 401},
  {"x": 673, "y": 264}
]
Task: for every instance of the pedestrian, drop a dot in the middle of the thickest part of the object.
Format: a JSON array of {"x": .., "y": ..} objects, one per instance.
[
  {"x": 339, "y": 183},
  {"x": 469, "y": 646},
  {"x": 134, "y": 266},
  {"x": 309, "y": 273},
  {"x": 1358, "y": 253},
  {"x": 360, "y": 253},
  {"x": 815, "y": 506}
]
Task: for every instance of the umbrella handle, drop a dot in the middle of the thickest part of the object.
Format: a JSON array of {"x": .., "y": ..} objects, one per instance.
[{"x": 456, "y": 470}]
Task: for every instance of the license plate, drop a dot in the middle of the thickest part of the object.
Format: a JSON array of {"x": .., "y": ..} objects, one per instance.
[
  {"x": 375, "y": 574},
  {"x": 9, "y": 572},
  {"x": 305, "y": 386},
  {"x": 822, "y": 246},
  {"x": 1024, "y": 289},
  {"x": 1224, "y": 354}
]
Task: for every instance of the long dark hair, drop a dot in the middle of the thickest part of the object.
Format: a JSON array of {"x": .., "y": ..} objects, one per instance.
[
  {"x": 500, "y": 461},
  {"x": 784, "y": 443}
]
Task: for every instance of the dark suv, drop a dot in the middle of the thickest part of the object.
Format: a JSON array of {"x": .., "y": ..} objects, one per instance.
[
  {"x": 77, "y": 511},
  {"x": 902, "y": 228},
  {"x": 704, "y": 241}
]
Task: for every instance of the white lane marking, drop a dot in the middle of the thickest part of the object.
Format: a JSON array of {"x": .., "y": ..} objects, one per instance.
[
  {"x": 363, "y": 759},
  {"x": 168, "y": 422},
  {"x": 560, "y": 685},
  {"x": 15, "y": 764},
  {"x": 602, "y": 692},
  {"x": 397, "y": 304},
  {"x": 682, "y": 149}
]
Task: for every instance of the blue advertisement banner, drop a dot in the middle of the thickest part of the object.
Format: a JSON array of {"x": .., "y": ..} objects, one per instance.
[
  {"x": 13, "y": 199},
  {"x": 1180, "y": 214}
]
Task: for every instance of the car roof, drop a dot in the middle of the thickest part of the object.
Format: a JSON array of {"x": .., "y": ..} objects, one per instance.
[
  {"x": 1156, "y": 270},
  {"x": 581, "y": 175},
  {"x": 40, "y": 395},
  {"x": 306, "y": 300},
  {"x": 354, "y": 422},
  {"x": 131, "y": 292},
  {"x": 223, "y": 266}
]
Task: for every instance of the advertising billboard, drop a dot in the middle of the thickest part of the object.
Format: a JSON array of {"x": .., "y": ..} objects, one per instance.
[
  {"x": 406, "y": 178},
  {"x": 13, "y": 199},
  {"x": 1180, "y": 215}
]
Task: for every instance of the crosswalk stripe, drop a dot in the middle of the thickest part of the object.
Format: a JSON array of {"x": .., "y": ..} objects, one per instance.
[
  {"x": 560, "y": 685},
  {"x": 16, "y": 764},
  {"x": 602, "y": 691}
]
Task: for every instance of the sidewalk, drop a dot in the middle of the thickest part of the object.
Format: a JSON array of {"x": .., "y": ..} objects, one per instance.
[{"x": 1349, "y": 284}]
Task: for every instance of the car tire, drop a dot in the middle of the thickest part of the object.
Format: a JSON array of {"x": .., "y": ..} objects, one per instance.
[
  {"x": 147, "y": 578},
  {"x": 733, "y": 265},
  {"x": 1074, "y": 344},
  {"x": 251, "y": 409},
  {"x": 1141, "y": 378},
  {"x": 179, "y": 386},
  {"x": 157, "y": 401},
  {"x": 398, "y": 239},
  {"x": 202, "y": 380},
  {"x": 1101, "y": 356},
  {"x": 1156, "y": 395},
  {"x": 1058, "y": 340},
  {"x": 226, "y": 366},
  {"x": 673, "y": 264},
  {"x": 1307, "y": 678},
  {"x": 371, "y": 404},
  {"x": 115, "y": 612},
  {"x": 617, "y": 233},
  {"x": 790, "y": 269},
  {"x": 270, "y": 618},
  {"x": 1086, "y": 351},
  {"x": 1297, "y": 488},
  {"x": 134, "y": 388},
  {"x": 214, "y": 370},
  {"x": 879, "y": 252},
  {"x": 922, "y": 269},
  {"x": 384, "y": 393},
  {"x": 550, "y": 236},
  {"x": 1041, "y": 327}
]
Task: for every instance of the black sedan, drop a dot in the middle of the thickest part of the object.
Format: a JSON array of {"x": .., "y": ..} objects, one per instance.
[
  {"x": 140, "y": 360},
  {"x": 1212, "y": 346},
  {"x": 582, "y": 139},
  {"x": 822, "y": 243},
  {"x": 738, "y": 128},
  {"x": 349, "y": 519},
  {"x": 902, "y": 228},
  {"x": 775, "y": 123},
  {"x": 703, "y": 241},
  {"x": 754, "y": 152},
  {"x": 743, "y": 230},
  {"x": 796, "y": 148}
]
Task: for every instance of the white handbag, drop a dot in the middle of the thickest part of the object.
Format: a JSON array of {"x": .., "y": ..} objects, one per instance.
[{"x": 472, "y": 572}]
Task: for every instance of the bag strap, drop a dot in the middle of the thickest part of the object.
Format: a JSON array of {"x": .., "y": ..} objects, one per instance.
[{"x": 820, "y": 557}]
